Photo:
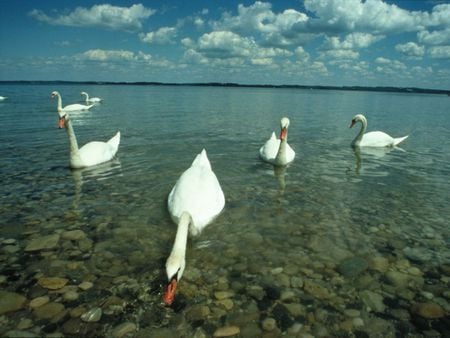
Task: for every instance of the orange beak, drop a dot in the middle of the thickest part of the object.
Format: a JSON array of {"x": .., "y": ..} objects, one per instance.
[
  {"x": 352, "y": 124},
  {"x": 283, "y": 133},
  {"x": 169, "y": 294},
  {"x": 61, "y": 122}
]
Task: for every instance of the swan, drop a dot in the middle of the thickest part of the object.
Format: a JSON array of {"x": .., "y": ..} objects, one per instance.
[
  {"x": 2, "y": 98},
  {"x": 373, "y": 138},
  {"x": 91, "y": 153},
  {"x": 70, "y": 107},
  {"x": 278, "y": 151},
  {"x": 92, "y": 99},
  {"x": 195, "y": 200}
]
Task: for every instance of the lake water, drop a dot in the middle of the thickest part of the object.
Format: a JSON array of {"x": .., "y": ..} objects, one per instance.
[{"x": 339, "y": 243}]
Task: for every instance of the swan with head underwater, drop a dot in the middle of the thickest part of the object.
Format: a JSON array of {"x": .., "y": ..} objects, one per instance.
[
  {"x": 92, "y": 99},
  {"x": 91, "y": 153},
  {"x": 278, "y": 151},
  {"x": 373, "y": 138},
  {"x": 194, "y": 202},
  {"x": 70, "y": 107}
]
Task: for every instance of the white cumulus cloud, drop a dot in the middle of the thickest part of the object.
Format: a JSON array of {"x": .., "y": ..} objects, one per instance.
[
  {"x": 163, "y": 35},
  {"x": 106, "y": 16},
  {"x": 410, "y": 49},
  {"x": 439, "y": 52}
]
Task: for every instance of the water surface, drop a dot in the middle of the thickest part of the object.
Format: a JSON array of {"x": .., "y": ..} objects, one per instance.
[{"x": 315, "y": 231}]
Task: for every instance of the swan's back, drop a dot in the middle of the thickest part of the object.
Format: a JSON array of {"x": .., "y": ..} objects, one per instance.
[
  {"x": 197, "y": 192},
  {"x": 96, "y": 152}
]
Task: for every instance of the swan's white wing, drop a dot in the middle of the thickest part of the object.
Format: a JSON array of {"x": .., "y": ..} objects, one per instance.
[
  {"x": 96, "y": 152},
  {"x": 376, "y": 139},
  {"x": 269, "y": 150},
  {"x": 76, "y": 107}
]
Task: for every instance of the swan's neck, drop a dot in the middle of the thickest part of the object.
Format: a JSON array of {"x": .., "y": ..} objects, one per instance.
[
  {"x": 281, "y": 154},
  {"x": 86, "y": 97},
  {"x": 72, "y": 139},
  {"x": 179, "y": 246},
  {"x": 359, "y": 137},
  {"x": 59, "y": 107}
]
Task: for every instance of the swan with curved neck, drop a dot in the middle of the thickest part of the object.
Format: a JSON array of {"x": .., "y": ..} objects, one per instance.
[
  {"x": 91, "y": 153},
  {"x": 278, "y": 151},
  {"x": 194, "y": 202},
  {"x": 373, "y": 138},
  {"x": 70, "y": 107},
  {"x": 90, "y": 100}
]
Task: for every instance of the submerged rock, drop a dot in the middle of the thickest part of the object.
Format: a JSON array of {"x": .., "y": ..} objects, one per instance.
[
  {"x": 10, "y": 301},
  {"x": 43, "y": 243}
]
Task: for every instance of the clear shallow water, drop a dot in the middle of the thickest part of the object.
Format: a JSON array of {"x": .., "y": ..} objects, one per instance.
[{"x": 315, "y": 232}]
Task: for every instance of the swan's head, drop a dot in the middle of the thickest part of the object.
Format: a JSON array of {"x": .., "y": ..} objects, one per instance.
[
  {"x": 83, "y": 93},
  {"x": 54, "y": 94},
  {"x": 358, "y": 118},
  {"x": 284, "y": 127},
  {"x": 175, "y": 265},
  {"x": 63, "y": 118}
]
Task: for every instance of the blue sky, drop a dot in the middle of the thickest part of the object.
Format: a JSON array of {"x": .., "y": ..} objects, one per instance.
[{"x": 307, "y": 42}]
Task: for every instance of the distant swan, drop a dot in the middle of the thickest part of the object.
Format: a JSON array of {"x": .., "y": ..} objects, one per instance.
[
  {"x": 70, "y": 107},
  {"x": 92, "y": 99},
  {"x": 91, "y": 153},
  {"x": 278, "y": 151},
  {"x": 2, "y": 98},
  {"x": 195, "y": 200},
  {"x": 373, "y": 138}
]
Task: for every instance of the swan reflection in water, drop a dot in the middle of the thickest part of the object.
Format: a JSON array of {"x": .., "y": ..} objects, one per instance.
[
  {"x": 104, "y": 171},
  {"x": 374, "y": 153}
]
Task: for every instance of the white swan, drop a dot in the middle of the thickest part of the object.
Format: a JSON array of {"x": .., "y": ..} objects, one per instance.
[
  {"x": 373, "y": 138},
  {"x": 278, "y": 151},
  {"x": 70, "y": 107},
  {"x": 195, "y": 200},
  {"x": 2, "y": 98},
  {"x": 92, "y": 99},
  {"x": 91, "y": 153}
]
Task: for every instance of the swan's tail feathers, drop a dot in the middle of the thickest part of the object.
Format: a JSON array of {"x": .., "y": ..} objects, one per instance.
[
  {"x": 202, "y": 160},
  {"x": 114, "y": 141},
  {"x": 398, "y": 140}
]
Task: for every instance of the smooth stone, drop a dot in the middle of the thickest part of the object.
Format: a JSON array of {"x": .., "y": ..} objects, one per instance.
[
  {"x": 296, "y": 282},
  {"x": 123, "y": 329},
  {"x": 70, "y": 296},
  {"x": 20, "y": 334},
  {"x": 223, "y": 294},
  {"x": 25, "y": 323},
  {"x": 48, "y": 311},
  {"x": 351, "y": 313},
  {"x": 42, "y": 243},
  {"x": 316, "y": 290},
  {"x": 52, "y": 283},
  {"x": 420, "y": 255},
  {"x": 9, "y": 241},
  {"x": 372, "y": 300},
  {"x": 227, "y": 331},
  {"x": 73, "y": 235},
  {"x": 10, "y": 302},
  {"x": 352, "y": 267},
  {"x": 197, "y": 312},
  {"x": 226, "y": 303},
  {"x": 86, "y": 285},
  {"x": 428, "y": 310},
  {"x": 269, "y": 324},
  {"x": 93, "y": 315},
  {"x": 397, "y": 279},
  {"x": 379, "y": 263},
  {"x": 39, "y": 301}
]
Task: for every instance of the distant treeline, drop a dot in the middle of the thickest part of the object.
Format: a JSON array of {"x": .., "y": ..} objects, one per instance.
[{"x": 228, "y": 84}]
